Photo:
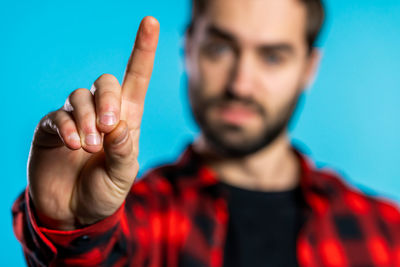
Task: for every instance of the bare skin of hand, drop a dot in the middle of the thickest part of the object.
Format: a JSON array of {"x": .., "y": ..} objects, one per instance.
[{"x": 83, "y": 158}]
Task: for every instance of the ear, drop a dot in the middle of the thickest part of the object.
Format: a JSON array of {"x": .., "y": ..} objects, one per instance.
[{"x": 312, "y": 66}]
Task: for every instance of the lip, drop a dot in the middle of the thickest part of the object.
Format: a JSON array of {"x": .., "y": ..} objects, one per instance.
[{"x": 235, "y": 114}]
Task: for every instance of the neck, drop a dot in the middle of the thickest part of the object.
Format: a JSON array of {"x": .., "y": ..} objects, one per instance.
[{"x": 273, "y": 168}]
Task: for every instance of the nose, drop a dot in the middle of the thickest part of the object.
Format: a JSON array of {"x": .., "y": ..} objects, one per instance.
[{"x": 242, "y": 75}]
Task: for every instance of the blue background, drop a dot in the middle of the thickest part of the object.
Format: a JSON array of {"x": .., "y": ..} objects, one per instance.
[{"x": 348, "y": 120}]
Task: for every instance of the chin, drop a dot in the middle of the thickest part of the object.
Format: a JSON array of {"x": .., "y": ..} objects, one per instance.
[
  {"x": 234, "y": 145},
  {"x": 233, "y": 140}
]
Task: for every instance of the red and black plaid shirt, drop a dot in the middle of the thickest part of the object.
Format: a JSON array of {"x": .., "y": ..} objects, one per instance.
[{"x": 177, "y": 216}]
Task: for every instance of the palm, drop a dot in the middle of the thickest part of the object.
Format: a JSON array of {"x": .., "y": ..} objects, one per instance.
[{"x": 49, "y": 166}]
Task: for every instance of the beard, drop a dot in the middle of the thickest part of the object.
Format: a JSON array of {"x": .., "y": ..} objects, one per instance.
[{"x": 218, "y": 134}]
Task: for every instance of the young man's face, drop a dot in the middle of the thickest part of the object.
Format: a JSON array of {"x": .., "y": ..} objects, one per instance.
[{"x": 247, "y": 63}]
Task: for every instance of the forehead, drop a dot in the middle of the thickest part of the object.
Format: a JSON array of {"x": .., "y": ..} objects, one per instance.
[{"x": 258, "y": 20}]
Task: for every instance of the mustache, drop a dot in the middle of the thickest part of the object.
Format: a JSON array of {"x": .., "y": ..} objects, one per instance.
[{"x": 226, "y": 100}]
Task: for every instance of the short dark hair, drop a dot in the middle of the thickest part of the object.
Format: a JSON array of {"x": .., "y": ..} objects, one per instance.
[{"x": 315, "y": 18}]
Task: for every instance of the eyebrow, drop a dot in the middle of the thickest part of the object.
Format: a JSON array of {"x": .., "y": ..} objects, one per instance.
[
  {"x": 217, "y": 32},
  {"x": 214, "y": 31},
  {"x": 278, "y": 47}
]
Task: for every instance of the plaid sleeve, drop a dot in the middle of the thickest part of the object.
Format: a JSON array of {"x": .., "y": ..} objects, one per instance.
[
  {"x": 144, "y": 230},
  {"x": 89, "y": 246}
]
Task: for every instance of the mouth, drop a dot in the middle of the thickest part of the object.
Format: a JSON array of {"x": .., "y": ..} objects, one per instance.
[{"x": 235, "y": 113}]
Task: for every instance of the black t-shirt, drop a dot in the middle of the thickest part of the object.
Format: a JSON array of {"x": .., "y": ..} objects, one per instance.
[{"x": 263, "y": 227}]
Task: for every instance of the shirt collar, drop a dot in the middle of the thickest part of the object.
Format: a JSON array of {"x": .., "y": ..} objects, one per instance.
[{"x": 314, "y": 188}]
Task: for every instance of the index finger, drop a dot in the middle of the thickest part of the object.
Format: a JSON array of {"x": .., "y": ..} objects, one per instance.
[{"x": 140, "y": 64}]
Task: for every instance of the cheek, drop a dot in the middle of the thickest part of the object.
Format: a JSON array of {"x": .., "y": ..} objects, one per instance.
[{"x": 279, "y": 86}]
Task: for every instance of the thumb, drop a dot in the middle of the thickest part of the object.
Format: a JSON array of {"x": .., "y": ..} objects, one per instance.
[{"x": 121, "y": 151}]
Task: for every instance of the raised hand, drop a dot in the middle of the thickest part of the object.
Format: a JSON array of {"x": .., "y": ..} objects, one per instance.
[{"x": 83, "y": 158}]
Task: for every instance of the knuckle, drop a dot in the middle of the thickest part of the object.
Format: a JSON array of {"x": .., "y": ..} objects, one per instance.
[
  {"x": 139, "y": 80},
  {"x": 63, "y": 121},
  {"x": 127, "y": 161},
  {"x": 57, "y": 116},
  {"x": 77, "y": 95},
  {"x": 108, "y": 99},
  {"x": 67, "y": 130},
  {"x": 66, "y": 124},
  {"x": 126, "y": 153},
  {"x": 105, "y": 83},
  {"x": 87, "y": 120},
  {"x": 58, "y": 121},
  {"x": 105, "y": 79},
  {"x": 106, "y": 95},
  {"x": 123, "y": 155},
  {"x": 139, "y": 76}
]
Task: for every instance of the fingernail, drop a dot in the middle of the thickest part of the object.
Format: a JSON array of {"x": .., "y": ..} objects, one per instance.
[
  {"x": 92, "y": 139},
  {"x": 74, "y": 137},
  {"x": 148, "y": 26},
  {"x": 108, "y": 118}
]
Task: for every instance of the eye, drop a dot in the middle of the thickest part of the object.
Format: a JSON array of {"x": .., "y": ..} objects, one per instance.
[
  {"x": 273, "y": 58},
  {"x": 216, "y": 49}
]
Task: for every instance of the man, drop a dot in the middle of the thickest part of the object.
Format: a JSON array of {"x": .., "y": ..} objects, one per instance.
[{"x": 241, "y": 195}]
